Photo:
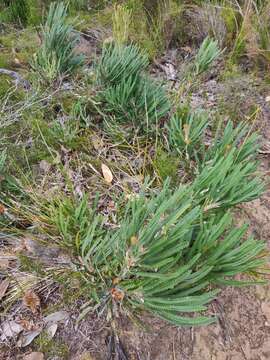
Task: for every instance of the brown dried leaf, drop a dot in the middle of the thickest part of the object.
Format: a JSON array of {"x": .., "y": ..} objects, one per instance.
[
  {"x": 34, "y": 356},
  {"x": 3, "y": 287},
  {"x": 107, "y": 174},
  {"x": 32, "y": 301},
  {"x": 2, "y": 209},
  {"x": 117, "y": 294},
  {"x": 116, "y": 281}
]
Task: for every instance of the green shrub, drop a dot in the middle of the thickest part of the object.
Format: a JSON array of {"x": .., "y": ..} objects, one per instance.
[
  {"x": 167, "y": 254},
  {"x": 56, "y": 57},
  {"x": 126, "y": 92},
  {"x": 231, "y": 154},
  {"x": 120, "y": 62},
  {"x": 208, "y": 52},
  {"x": 136, "y": 100},
  {"x": 186, "y": 130},
  {"x": 169, "y": 251}
]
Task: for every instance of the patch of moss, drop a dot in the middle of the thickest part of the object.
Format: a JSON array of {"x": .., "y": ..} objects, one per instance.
[
  {"x": 67, "y": 102},
  {"x": 51, "y": 348},
  {"x": 30, "y": 150},
  {"x": 7, "y": 88},
  {"x": 29, "y": 265},
  {"x": 20, "y": 44},
  {"x": 5, "y": 58},
  {"x": 5, "y": 83},
  {"x": 166, "y": 165},
  {"x": 74, "y": 286},
  {"x": 49, "y": 132}
]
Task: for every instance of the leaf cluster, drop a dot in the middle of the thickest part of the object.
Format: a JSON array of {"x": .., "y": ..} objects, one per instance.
[
  {"x": 208, "y": 52},
  {"x": 126, "y": 92},
  {"x": 226, "y": 166}
]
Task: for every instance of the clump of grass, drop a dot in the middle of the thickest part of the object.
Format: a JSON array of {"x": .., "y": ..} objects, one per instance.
[
  {"x": 258, "y": 36},
  {"x": 186, "y": 129},
  {"x": 56, "y": 56},
  {"x": 166, "y": 255},
  {"x": 17, "y": 11},
  {"x": 121, "y": 23},
  {"x": 138, "y": 101},
  {"x": 153, "y": 24},
  {"x": 120, "y": 62},
  {"x": 162, "y": 20},
  {"x": 231, "y": 154},
  {"x": 127, "y": 92},
  {"x": 249, "y": 23},
  {"x": 208, "y": 52},
  {"x": 71, "y": 219}
]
